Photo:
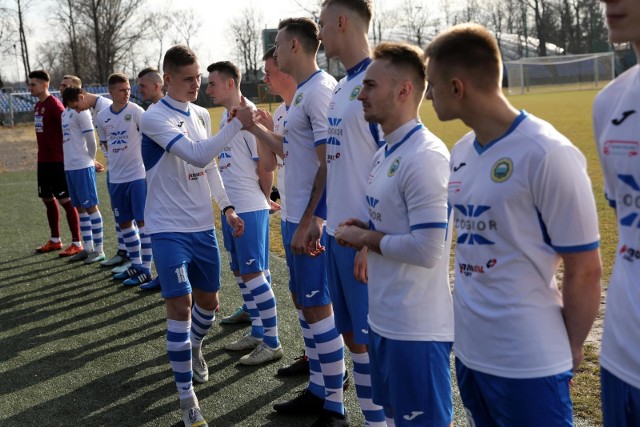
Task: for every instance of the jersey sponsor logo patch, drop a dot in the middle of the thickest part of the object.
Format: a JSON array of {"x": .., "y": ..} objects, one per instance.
[
  {"x": 334, "y": 132},
  {"x": 119, "y": 137},
  {"x": 470, "y": 269},
  {"x": 193, "y": 176},
  {"x": 630, "y": 200},
  {"x": 629, "y": 254},
  {"x": 472, "y": 223},
  {"x": 620, "y": 148},
  {"x": 298, "y": 99},
  {"x": 355, "y": 92},
  {"x": 394, "y": 167},
  {"x": 127, "y": 117},
  {"x": 618, "y": 122},
  {"x": 311, "y": 294},
  {"x": 457, "y": 168},
  {"x": 501, "y": 170}
]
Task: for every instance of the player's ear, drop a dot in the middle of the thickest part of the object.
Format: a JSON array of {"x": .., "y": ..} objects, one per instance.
[
  {"x": 457, "y": 87},
  {"x": 406, "y": 89},
  {"x": 342, "y": 21}
]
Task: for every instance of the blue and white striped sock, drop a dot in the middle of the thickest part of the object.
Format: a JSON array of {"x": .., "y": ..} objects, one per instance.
[
  {"x": 331, "y": 355},
  {"x": 201, "y": 321},
  {"x": 266, "y": 304},
  {"x": 121, "y": 245},
  {"x": 145, "y": 250},
  {"x": 257, "y": 330},
  {"x": 316, "y": 381},
  {"x": 373, "y": 414},
  {"x": 179, "y": 350},
  {"x": 85, "y": 230},
  {"x": 96, "y": 230},
  {"x": 132, "y": 240}
]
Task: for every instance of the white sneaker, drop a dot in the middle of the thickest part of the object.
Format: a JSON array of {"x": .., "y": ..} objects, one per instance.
[
  {"x": 193, "y": 418},
  {"x": 199, "y": 367},
  {"x": 262, "y": 354},
  {"x": 247, "y": 342}
]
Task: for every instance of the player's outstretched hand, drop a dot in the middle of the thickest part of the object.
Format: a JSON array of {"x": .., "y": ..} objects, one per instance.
[
  {"x": 312, "y": 237},
  {"x": 99, "y": 166},
  {"x": 235, "y": 222},
  {"x": 263, "y": 117}
]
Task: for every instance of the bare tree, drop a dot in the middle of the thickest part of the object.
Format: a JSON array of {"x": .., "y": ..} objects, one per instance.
[
  {"x": 312, "y": 7},
  {"x": 244, "y": 31},
  {"x": 159, "y": 23},
  {"x": 185, "y": 25},
  {"x": 382, "y": 21},
  {"x": 418, "y": 19}
]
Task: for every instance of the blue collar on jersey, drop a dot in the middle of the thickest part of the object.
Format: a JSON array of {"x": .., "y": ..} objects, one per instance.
[
  {"x": 389, "y": 150},
  {"x": 358, "y": 68},
  {"x": 121, "y": 110},
  {"x": 480, "y": 149},
  {"x": 166, "y": 100},
  {"x": 310, "y": 77}
]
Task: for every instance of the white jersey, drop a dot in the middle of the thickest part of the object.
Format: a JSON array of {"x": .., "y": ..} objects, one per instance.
[
  {"x": 238, "y": 168},
  {"x": 120, "y": 131},
  {"x": 102, "y": 103},
  {"x": 74, "y": 126},
  {"x": 279, "y": 119},
  {"x": 518, "y": 203},
  {"x": 351, "y": 144},
  {"x": 407, "y": 190},
  {"x": 616, "y": 118},
  {"x": 178, "y": 193},
  {"x": 306, "y": 129}
]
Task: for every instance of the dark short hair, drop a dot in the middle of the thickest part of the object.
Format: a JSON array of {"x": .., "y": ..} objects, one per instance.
[
  {"x": 116, "y": 78},
  {"x": 303, "y": 29},
  {"x": 228, "y": 69},
  {"x": 363, "y": 8},
  {"x": 269, "y": 54},
  {"x": 469, "y": 48},
  {"x": 40, "y": 75},
  {"x": 70, "y": 94},
  {"x": 147, "y": 70},
  {"x": 405, "y": 57},
  {"x": 178, "y": 56}
]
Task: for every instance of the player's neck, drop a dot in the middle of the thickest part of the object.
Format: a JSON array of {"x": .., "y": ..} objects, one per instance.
[
  {"x": 394, "y": 121},
  {"x": 491, "y": 120},
  {"x": 354, "y": 52},
  {"x": 304, "y": 70},
  {"x": 117, "y": 107},
  {"x": 233, "y": 101},
  {"x": 287, "y": 95},
  {"x": 44, "y": 95}
]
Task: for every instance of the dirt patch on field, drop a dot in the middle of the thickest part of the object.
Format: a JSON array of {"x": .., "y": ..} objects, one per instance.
[{"x": 18, "y": 148}]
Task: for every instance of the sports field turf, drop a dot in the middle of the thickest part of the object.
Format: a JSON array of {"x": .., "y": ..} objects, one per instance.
[{"x": 77, "y": 348}]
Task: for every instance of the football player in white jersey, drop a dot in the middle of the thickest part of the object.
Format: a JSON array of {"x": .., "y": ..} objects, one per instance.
[
  {"x": 79, "y": 146},
  {"x": 522, "y": 204},
  {"x": 118, "y": 130},
  {"x": 245, "y": 181},
  {"x": 352, "y": 142},
  {"x": 280, "y": 84},
  {"x": 410, "y": 309},
  {"x": 97, "y": 103},
  {"x": 182, "y": 177},
  {"x": 616, "y": 123},
  {"x": 304, "y": 151}
]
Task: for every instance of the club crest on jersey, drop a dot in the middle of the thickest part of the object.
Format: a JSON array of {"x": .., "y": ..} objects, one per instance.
[
  {"x": 355, "y": 92},
  {"x": 394, "y": 167},
  {"x": 298, "y": 99},
  {"x": 127, "y": 118},
  {"x": 201, "y": 120},
  {"x": 501, "y": 170}
]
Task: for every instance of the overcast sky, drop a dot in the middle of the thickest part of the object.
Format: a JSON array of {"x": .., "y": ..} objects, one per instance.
[{"x": 211, "y": 43}]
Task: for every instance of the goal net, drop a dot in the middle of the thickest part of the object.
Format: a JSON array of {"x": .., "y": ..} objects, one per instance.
[{"x": 555, "y": 73}]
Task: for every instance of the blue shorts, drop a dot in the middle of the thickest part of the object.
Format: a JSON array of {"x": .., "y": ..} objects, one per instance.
[
  {"x": 82, "y": 187},
  {"x": 127, "y": 200},
  {"x": 286, "y": 244},
  {"x": 492, "y": 401},
  {"x": 411, "y": 380},
  {"x": 248, "y": 253},
  {"x": 349, "y": 296},
  {"x": 308, "y": 275},
  {"x": 186, "y": 260},
  {"x": 620, "y": 401}
]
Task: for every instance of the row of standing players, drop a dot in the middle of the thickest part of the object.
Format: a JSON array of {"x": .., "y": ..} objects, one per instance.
[{"x": 516, "y": 192}]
